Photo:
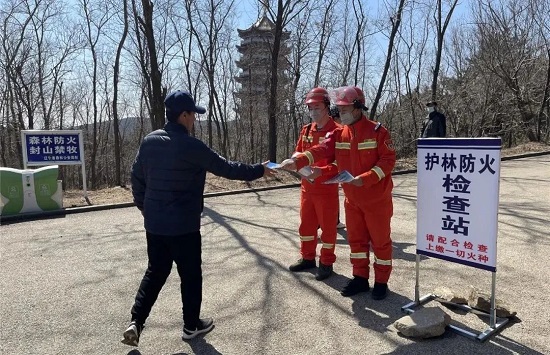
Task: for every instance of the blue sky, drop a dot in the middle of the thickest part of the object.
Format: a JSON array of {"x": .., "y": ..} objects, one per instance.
[
  {"x": 247, "y": 10},
  {"x": 246, "y": 13}
]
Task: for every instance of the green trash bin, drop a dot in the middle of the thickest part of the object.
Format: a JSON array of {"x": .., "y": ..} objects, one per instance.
[{"x": 23, "y": 191}]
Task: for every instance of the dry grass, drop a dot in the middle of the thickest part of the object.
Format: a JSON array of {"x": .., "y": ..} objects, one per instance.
[
  {"x": 74, "y": 198},
  {"x": 530, "y": 147}
]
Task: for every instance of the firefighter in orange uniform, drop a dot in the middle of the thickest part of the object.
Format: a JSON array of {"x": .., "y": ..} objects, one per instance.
[
  {"x": 319, "y": 203},
  {"x": 363, "y": 148}
]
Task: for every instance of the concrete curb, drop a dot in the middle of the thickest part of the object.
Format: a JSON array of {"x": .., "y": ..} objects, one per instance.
[{"x": 72, "y": 210}]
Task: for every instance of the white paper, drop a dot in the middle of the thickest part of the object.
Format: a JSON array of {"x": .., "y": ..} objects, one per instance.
[
  {"x": 272, "y": 165},
  {"x": 343, "y": 177},
  {"x": 305, "y": 171}
]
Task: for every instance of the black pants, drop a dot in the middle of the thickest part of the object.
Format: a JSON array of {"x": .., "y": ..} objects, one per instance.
[{"x": 162, "y": 250}]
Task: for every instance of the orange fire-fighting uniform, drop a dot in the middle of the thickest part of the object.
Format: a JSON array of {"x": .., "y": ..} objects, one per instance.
[
  {"x": 319, "y": 203},
  {"x": 364, "y": 149}
]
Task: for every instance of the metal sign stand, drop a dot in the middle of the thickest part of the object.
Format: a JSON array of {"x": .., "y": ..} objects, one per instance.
[
  {"x": 83, "y": 165},
  {"x": 495, "y": 323}
]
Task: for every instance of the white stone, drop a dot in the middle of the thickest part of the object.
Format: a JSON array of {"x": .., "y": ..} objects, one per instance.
[{"x": 424, "y": 323}]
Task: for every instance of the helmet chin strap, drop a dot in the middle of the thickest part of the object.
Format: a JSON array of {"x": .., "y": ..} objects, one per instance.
[{"x": 357, "y": 116}]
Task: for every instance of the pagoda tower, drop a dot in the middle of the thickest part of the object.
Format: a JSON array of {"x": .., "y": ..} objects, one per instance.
[{"x": 254, "y": 78}]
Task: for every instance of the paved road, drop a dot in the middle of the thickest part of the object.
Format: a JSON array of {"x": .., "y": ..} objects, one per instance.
[{"x": 68, "y": 283}]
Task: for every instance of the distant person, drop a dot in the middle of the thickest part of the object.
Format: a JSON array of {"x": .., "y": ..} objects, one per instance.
[
  {"x": 168, "y": 177},
  {"x": 318, "y": 201},
  {"x": 435, "y": 123}
]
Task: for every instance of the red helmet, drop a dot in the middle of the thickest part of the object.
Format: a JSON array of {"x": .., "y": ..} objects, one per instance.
[
  {"x": 345, "y": 95},
  {"x": 360, "y": 95},
  {"x": 317, "y": 95}
]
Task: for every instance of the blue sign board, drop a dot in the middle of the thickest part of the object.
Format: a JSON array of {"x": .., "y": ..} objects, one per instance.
[{"x": 52, "y": 147}]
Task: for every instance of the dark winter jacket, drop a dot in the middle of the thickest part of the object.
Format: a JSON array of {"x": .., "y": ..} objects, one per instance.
[
  {"x": 434, "y": 126},
  {"x": 168, "y": 177}
]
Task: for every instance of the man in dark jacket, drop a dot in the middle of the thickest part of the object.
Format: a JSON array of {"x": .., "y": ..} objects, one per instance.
[
  {"x": 434, "y": 125},
  {"x": 168, "y": 177}
]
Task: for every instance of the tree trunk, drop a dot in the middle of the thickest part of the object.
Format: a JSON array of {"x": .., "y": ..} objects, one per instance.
[
  {"x": 116, "y": 70},
  {"x": 157, "y": 92},
  {"x": 272, "y": 108},
  {"x": 441, "y": 28},
  {"x": 396, "y": 21}
]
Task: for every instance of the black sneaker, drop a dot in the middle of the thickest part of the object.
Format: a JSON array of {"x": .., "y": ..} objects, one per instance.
[
  {"x": 131, "y": 335},
  {"x": 204, "y": 326},
  {"x": 356, "y": 285},
  {"x": 379, "y": 291},
  {"x": 323, "y": 272},
  {"x": 302, "y": 264}
]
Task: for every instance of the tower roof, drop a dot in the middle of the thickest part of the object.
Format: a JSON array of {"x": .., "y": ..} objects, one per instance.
[{"x": 263, "y": 24}]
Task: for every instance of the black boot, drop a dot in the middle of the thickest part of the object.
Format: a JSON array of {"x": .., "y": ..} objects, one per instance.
[
  {"x": 356, "y": 285},
  {"x": 302, "y": 264},
  {"x": 323, "y": 272},
  {"x": 379, "y": 291}
]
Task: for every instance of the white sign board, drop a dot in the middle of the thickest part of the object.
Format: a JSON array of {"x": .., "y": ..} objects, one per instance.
[{"x": 458, "y": 191}]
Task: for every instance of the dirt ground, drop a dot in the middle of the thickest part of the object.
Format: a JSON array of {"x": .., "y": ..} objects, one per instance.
[{"x": 112, "y": 195}]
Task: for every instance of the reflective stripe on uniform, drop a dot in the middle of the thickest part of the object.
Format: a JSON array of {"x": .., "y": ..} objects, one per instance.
[
  {"x": 379, "y": 172},
  {"x": 367, "y": 144},
  {"x": 343, "y": 145},
  {"x": 307, "y": 238},
  {"x": 307, "y": 139},
  {"x": 358, "y": 255},
  {"x": 328, "y": 246},
  {"x": 309, "y": 157},
  {"x": 381, "y": 261}
]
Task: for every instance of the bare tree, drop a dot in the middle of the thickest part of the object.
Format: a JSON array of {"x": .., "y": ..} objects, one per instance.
[
  {"x": 360, "y": 19},
  {"x": 299, "y": 51},
  {"x": 506, "y": 50},
  {"x": 286, "y": 11},
  {"x": 116, "y": 71},
  {"x": 491, "y": 70},
  {"x": 441, "y": 28},
  {"x": 208, "y": 31},
  {"x": 395, "y": 21},
  {"x": 149, "y": 62},
  {"x": 540, "y": 11},
  {"x": 414, "y": 38},
  {"x": 35, "y": 56},
  {"x": 326, "y": 27},
  {"x": 15, "y": 54},
  {"x": 184, "y": 45},
  {"x": 96, "y": 17}
]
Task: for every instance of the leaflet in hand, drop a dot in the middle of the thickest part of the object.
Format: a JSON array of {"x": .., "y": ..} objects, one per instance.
[
  {"x": 272, "y": 165},
  {"x": 305, "y": 172},
  {"x": 342, "y": 177}
]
